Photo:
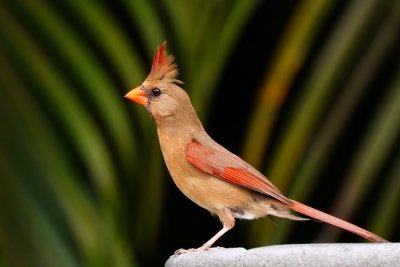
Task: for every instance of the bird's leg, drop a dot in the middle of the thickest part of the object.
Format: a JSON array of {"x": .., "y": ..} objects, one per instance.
[{"x": 228, "y": 221}]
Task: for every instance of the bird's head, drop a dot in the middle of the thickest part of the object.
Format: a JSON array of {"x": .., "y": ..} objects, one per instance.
[{"x": 160, "y": 93}]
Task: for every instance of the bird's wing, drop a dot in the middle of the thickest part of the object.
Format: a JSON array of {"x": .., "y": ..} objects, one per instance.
[{"x": 227, "y": 166}]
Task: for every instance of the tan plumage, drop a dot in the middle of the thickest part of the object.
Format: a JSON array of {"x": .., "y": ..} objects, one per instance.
[{"x": 206, "y": 172}]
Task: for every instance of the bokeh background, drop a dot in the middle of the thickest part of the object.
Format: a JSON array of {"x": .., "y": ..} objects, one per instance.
[{"x": 306, "y": 91}]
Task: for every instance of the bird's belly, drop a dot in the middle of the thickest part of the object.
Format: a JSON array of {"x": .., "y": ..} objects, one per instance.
[
  {"x": 212, "y": 193},
  {"x": 215, "y": 194}
]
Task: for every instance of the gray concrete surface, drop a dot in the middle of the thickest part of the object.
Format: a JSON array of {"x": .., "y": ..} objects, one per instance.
[{"x": 342, "y": 255}]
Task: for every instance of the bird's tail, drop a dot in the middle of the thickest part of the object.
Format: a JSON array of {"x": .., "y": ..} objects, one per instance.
[{"x": 322, "y": 216}]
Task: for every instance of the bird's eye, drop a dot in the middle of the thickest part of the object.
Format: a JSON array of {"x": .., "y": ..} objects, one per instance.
[{"x": 156, "y": 91}]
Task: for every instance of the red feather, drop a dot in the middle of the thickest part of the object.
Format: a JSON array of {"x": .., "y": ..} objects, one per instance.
[
  {"x": 158, "y": 58},
  {"x": 163, "y": 67}
]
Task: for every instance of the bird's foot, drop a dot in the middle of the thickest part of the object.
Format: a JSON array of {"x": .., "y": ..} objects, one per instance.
[
  {"x": 183, "y": 251},
  {"x": 200, "y": 249}
]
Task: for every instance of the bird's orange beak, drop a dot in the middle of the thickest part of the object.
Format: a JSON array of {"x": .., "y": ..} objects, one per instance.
[{"x": 137, "y": 95}]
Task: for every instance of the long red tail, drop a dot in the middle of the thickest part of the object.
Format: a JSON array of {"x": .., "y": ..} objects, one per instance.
[{"x": 322, "y": 216}]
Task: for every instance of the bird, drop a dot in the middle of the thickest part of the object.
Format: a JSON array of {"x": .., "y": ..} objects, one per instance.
[{"x": 206, "y": 172}]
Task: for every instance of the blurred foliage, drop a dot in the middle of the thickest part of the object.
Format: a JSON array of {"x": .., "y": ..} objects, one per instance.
[{"x": 83, "y": 182}]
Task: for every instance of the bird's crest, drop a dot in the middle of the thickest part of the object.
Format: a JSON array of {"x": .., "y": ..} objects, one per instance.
[{"x": 163, "y": 67}]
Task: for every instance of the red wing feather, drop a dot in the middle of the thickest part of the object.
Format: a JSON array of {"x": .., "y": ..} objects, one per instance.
[{"x": 230, "y": 168}]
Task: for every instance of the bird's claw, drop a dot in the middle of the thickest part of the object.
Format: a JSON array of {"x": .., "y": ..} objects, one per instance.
[
  {"x": 200, "y": 249},
  {"x": 183, "y": 251}
]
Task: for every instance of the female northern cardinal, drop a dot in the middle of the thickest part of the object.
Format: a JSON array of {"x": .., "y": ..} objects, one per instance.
[{"x": 206, "y": 172}]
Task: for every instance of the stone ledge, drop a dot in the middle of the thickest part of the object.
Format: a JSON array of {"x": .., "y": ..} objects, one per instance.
[{"x": 366, "y": 255}]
